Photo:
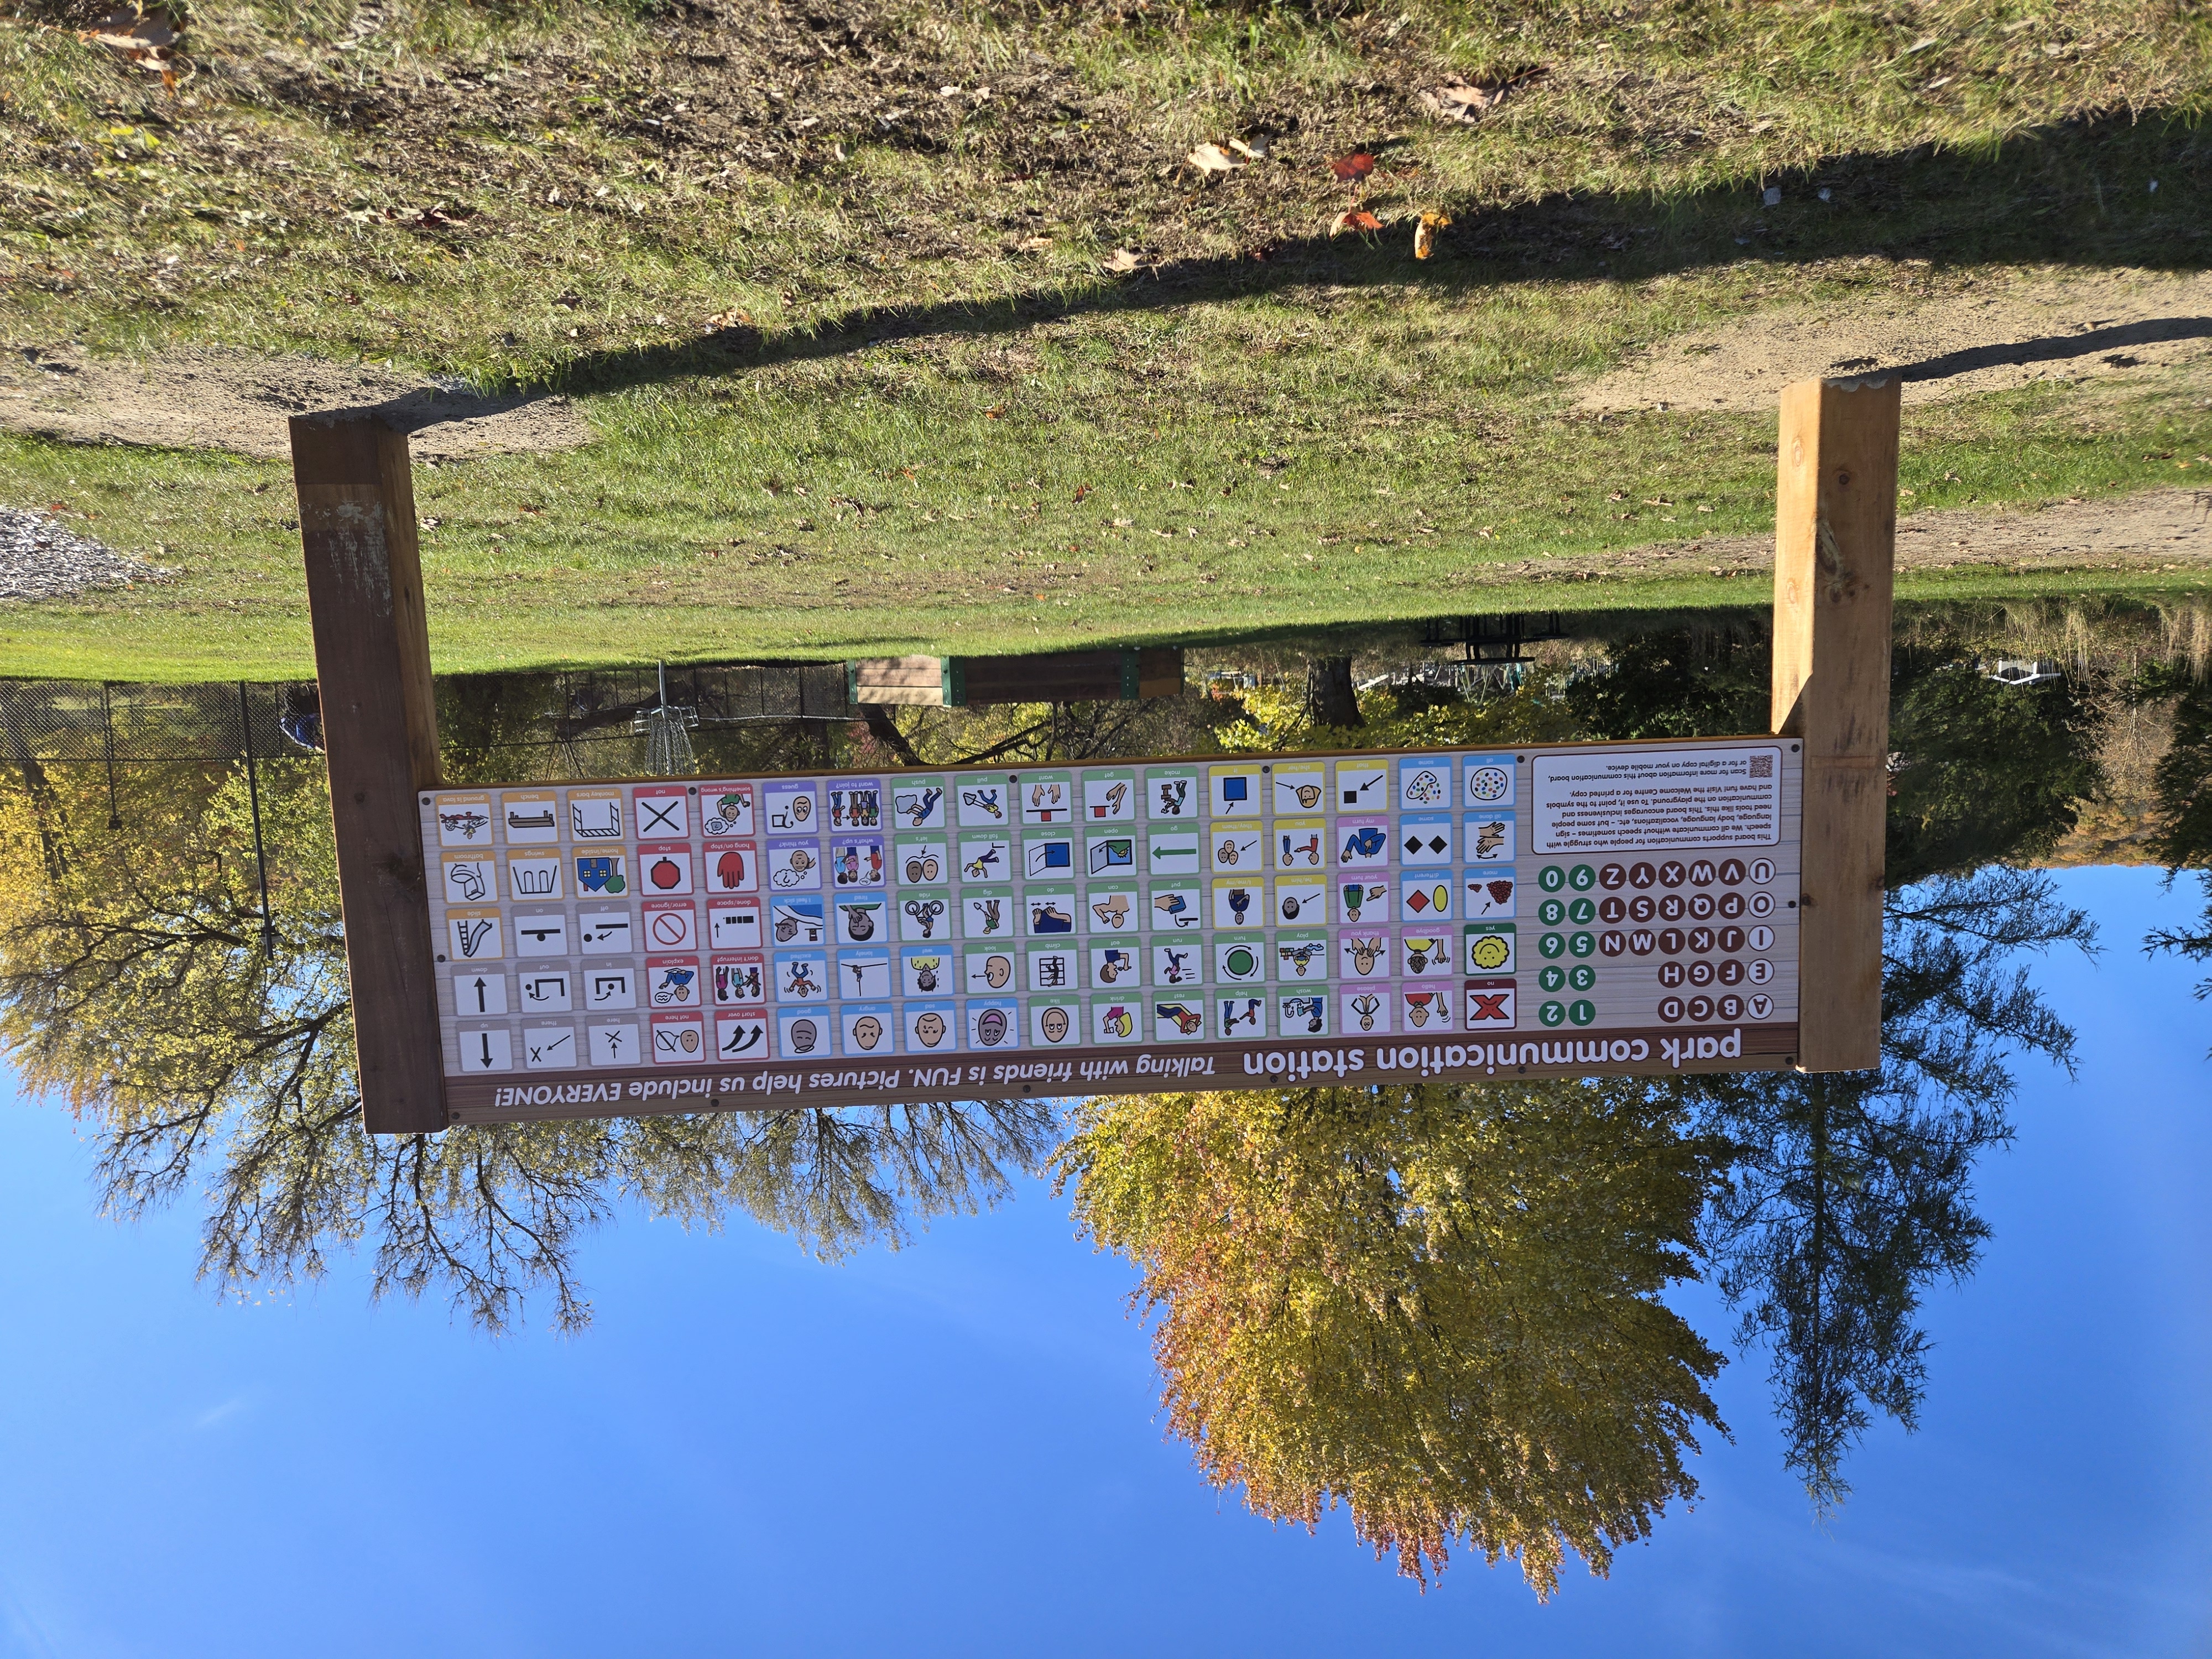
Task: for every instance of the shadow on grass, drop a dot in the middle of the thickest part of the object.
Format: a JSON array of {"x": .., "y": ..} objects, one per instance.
[{"x": 2074, "y": 194}]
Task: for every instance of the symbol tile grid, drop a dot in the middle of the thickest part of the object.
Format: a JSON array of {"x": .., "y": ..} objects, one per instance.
[{"x": 691, "y": 923}]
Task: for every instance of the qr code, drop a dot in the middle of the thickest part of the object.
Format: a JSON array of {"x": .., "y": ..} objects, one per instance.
[{"x": 1762, "y": 766}]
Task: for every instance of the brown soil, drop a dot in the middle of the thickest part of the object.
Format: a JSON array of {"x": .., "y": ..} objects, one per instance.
[
  {"x": 2158, "y": 529},
  {"x": 1990, "y": 337},
  {"x": 234, "y": 400}
]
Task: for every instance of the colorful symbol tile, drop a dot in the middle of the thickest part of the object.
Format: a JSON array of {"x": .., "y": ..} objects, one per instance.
[
  {"x": 1363, "y": 1014},
  {"x": 1487, "y": 781},
  {"x": 919, "y": 804},
  {"x": 464, "y": 820},
  {"x": 1235, "y": 793},
  {"x": 1299, "y": 787},
  {"x": 1109, "y": 795},
  {"x": 996, "y": 1023},
  {"x": 1045, "y": 797},
  {"x": 726, "y": 809},
  {"x": 867, "y": 1028},
  {"x": 1490, "y": 839},
  {"x": 1423, "y": 782},
  {"x": 1174, "y": 794},
  {"x": 1488, "y": 948},
  {"x": 1055, "y": 1022}
]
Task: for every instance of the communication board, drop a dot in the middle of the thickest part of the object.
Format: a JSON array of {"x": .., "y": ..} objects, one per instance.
[{"x": 1226, "y": 922}]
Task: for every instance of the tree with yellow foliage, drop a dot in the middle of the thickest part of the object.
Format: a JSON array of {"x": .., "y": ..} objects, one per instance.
[
  {"x": 136, "y": 985},
  {"x": 1438, "y": 1306}
]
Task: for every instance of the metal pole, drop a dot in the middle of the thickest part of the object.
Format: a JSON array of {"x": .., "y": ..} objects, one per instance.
[
  {"x": 107, "y": 738},
  {"x": 253, "y": 794}
]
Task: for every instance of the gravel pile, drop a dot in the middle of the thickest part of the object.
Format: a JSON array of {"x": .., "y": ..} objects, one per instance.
[{"x": 40, "y": 560}]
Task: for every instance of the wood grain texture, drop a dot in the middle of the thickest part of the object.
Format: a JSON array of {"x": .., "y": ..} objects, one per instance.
[
  {"x": 380, "y": 737},
  {"x": 1835, "y": 555}
]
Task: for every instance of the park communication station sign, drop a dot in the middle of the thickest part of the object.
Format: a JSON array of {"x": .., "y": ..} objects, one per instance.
[{"x": 769, "y": 942}]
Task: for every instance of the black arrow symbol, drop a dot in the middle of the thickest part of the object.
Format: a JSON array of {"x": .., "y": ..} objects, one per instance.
[
  {"x": 481, "y": 1007},
  {"x": 485, "y": 1038}
]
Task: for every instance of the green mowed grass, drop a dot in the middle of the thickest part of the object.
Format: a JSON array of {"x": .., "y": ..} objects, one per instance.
[
  {"x": 861, "y": 514},
  {"x": 943, "y": 429},
  {"x": 607, "y": 177}
]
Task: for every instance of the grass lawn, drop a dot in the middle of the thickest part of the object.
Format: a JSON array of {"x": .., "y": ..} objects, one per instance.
[{"x": 939, "y": 423}]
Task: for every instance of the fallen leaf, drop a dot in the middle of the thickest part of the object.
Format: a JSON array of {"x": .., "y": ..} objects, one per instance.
[
  {"x": 1424, "y": 233},
  {"x": 1211, "y": 158},
  {"x": 1460, "y": 102},
  {"x": 1356, "y": 219},
  {"x": 1356, "y": 166},
  {"x": 992, "y": 414},
  {"x": 1033, "y": 244},
  {"x": 144, "y": 39},
  {"x": 720, "y": 322},
  {"x": 1256, "y": 148}
]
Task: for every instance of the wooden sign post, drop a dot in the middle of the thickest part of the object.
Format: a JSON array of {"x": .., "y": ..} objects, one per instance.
[
  {"x": 1835, "y": 554},
  {"x": 381, "y": 739},
  {"x": 767, "y": 942}
]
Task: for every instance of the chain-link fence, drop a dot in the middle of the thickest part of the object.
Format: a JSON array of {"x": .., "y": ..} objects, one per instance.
[
  {"x": 592, "y": 722},
  {"x": 61, "y": 721}
]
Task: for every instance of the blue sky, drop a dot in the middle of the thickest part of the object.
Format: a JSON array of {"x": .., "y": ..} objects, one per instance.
[{"x": 955, "y": 1449}]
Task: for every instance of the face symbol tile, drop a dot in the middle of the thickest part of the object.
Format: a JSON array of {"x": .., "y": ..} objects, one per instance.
[
  {"x": 675, "y": 1042},
  {"x": 729, "y": 810},
  {"x": 864, "y": 1031},
  {"x": 1365, "y": 1011},
  {"x": 674, "y": 984}
]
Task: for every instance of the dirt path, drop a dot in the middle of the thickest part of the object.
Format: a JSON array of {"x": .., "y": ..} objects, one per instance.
[
  {"x": 2155, "y": 530},
  {"x": 1987, "y": 338},
  {"x": 238, "y": 401}
]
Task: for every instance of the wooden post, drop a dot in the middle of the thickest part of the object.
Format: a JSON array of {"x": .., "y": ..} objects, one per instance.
[
  {"x": 1835, "y": 550},
  {"x": 380, "y": 737}
]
